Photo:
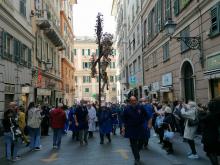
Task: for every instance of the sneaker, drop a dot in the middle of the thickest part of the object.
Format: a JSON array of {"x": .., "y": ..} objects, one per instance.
[
  {"x": 16, "y": 159},
  {"x": 37, "y": 149},
  {"x": 189, "y": 153},
  {"x": 193, "y": 156},
  {"x": 55, "y": 147}
]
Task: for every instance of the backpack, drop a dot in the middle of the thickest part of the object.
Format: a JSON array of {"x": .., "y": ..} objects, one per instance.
[{"x": 34, "y": 118}]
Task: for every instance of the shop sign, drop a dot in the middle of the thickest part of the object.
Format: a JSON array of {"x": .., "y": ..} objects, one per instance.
[
  {"x": 43, "y": 92},
  {"x": 9, "y": 88},
  {"x": 167, "y": 79},
  {"x": 155, "y": 86},
  {"x": 25, "y": 89},
  {"x": 59, "y": 94},
  {"x": 132, "y": 81},
  {"x": 213, "y": 62}
]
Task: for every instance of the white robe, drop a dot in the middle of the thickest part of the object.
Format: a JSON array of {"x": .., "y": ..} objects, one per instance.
[{"x": 92, "y": 118}]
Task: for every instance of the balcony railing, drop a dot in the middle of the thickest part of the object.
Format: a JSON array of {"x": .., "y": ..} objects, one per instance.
[{"x": 44, "y": 19}]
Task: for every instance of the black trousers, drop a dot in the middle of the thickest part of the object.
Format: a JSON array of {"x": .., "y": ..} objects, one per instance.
[
  {"x": 102, "y": 137},
  {"x": 136, "y": 145},
  {"x": 192, "y": 146}
]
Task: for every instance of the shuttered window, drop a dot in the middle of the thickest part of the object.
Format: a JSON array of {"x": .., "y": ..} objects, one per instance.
[
  {"x": 23, "y": 7},
  {"x": 215, "y": 20},
  {"x": 166, "y": 52},
  {"x": 1, "y": 42},
  {"x": 176, "y": 7},
  {"x": 29, "y": 59},
  {"x": 184, "y": 33},
  {"x": 167, "y": 10}
]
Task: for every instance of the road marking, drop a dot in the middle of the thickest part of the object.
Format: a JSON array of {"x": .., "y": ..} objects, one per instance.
[
  {"x": 123, "y": 153},
  {"x": 51, "y": 158}
]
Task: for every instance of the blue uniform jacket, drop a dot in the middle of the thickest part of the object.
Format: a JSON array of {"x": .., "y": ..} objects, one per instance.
[
  {"x": 134, "y": 118},
  {"x": 105, "y": 120}
]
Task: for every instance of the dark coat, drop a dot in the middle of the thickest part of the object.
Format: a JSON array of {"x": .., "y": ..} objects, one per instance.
[
  {"x": 169, "y": 119},
  {"x": 211, "y": 133},
  {"x": 105, "y": 120},
  {"x": 134, "y": 118},
  {"x": 82, "y": 117}
]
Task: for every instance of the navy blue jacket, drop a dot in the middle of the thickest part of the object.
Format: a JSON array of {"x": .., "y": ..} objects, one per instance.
[{"x": 134, "y": 118}]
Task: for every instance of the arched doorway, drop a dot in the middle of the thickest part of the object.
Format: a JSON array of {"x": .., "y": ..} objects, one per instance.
[{"x": 188, "y": 81}]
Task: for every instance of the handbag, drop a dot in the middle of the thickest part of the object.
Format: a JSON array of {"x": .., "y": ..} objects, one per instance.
[{"x": 193, "y": 123}]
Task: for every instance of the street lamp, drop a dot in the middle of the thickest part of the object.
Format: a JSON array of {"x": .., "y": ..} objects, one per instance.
[{"x": 192, "y": 42}]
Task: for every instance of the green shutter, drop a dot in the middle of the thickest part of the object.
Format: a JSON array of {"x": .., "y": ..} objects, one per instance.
[
  {"x": 4, "y": 44},
  {"x": 88, "y": 51},
  {"x": 156, "y": 18},
  {"x": 215, "y": 20},
  {"x": 176, "y": 7},
  {"x": 83, "y": 52},
  {"x": 1, "y": 43},
  {"x": 29, "y": 58},
  {"x": 15, "y": 50},
  {"x": 159, "y": 15},
  {"x": 167, "y": 10}
]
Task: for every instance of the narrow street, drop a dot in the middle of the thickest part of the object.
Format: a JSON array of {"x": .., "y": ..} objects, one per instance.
[{"x": 116, "y": 153}]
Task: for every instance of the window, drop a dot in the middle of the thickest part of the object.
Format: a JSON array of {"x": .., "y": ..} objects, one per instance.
[
  {"x": 139, "y": 63},
  {"x": 88, "y": 52},
  {"x": 86, "y": 79},
  {"x": 159, "y": 15},
  {"x": 184, "y": 33},
  {"x": 179, "y": 5},
  {"x": 111, "y": 78},
  {"x": 134, "y": 66},
  {"x": 215, "y": 20},
  {"x": 76, "y": 79},
  {"x": 138, "y": 35},
  {"x": 23, "y": 7},
  {"x": 83, "y": 52},
  {"x": 130, "y": 69},
  {"x": 97, "y": 52},
  {"x": 113, "y": 89},
  {"x": 86, "y": 65},
  {"x": 150, "y": 26},
  {"x": 166, "y": 51},
  {"x": 8, "y": 46},
  {"x": 133, "y": 41},
  {"x": 75, "y": 52},
  {"x": 132, "y": 13},
  {"x": 154, "y": 56},
  {"x": 114, "y": 52},
  {"x": 167, "y": 10},
  {"x": 67, "y": 88},
  {"x": 29, "y": 59},
  {"x": 86, "y": 90},
  {"x": 146, "y": 62},
  {"x": 145, "y": 32},
  {"x": 137, "y": 6}
]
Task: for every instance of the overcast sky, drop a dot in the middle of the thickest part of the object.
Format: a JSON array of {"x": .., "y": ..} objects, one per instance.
[{"x": 85, "y": 12}]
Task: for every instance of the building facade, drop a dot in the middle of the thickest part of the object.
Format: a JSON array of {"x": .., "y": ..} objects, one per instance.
[
  {"x": 67, "y": 75},
  {"x": 16, "y": 51},
  {"x": 129, "y": 45},
  {"x": 86, "y": 86},
  {"x": 173, "y": 68}
]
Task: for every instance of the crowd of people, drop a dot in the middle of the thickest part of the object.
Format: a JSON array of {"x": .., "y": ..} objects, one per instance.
[{"x": 135, "y": 119}]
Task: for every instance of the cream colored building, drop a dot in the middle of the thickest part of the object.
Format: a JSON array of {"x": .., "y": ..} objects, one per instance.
[{"x": 87, "y": 87}]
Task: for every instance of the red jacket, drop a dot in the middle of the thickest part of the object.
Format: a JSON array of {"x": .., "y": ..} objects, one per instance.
[{"x": 58, "y": 118}]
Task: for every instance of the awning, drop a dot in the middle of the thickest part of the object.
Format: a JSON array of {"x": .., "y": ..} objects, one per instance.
[
  {"x": 212, "y": 74},
  {"x": 165, "y": 89}
]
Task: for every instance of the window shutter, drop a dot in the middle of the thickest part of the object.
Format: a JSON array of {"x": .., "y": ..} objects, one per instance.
[
  {"x": 156, "y": 18},
  {"x": 83, "y": 52},
  {"x": 88, "y": 51},
  {"x": 159, "y": 15},
  {"x": 215, "y": 20},
  {"x": 15, "y": 50},
  {"x": 4, "y": 53},
  {"x": 29, "y": 58},
  {"x": 1, "y": 43},
  {"x": 176, "y": 7},
  {"x": 168, "y": 10}
]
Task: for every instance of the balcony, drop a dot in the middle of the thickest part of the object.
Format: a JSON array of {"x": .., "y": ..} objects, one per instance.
[{"x": 45, "y": 23}]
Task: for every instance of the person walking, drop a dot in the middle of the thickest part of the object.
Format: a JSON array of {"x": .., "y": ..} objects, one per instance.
[
  {"x": 211, "y": 131},
  {"x": 92, "y": 118},
  {"x": 189, "y": 112},
  {"x": 105, "y": 123},
  {"x": 12, "y": 135},
  {"x": 134, "y": 118},
  {"x": 34, "y": 122},
  {"x": 58, "y": 119},
  {"x": 72, "y": 124},
  {"x": 81, "y": 122},
  {"x": 45, "y": 120}
]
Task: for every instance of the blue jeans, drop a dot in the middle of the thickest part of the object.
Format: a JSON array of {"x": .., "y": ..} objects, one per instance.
[
  {"x": 34, "y": 137},
  {"x": 8, "y": 143},
  {"x": 57, "y": 135}
]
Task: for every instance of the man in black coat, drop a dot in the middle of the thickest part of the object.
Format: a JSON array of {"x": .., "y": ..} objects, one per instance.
[{"x": 134, "y": 117}]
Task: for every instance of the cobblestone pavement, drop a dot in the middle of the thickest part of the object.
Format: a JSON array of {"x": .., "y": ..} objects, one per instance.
[{"x": 116, "y": 153}]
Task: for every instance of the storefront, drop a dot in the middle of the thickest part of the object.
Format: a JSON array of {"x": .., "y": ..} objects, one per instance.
[
  {"x": 59, "y": 97},
  {"x": 166, "y": 90},
  {"x": 154, "y": 89},
  {"x": 43, "y": 96},
  {"x": 213, "y": 74},
  {"x": 9, "y": 94}
]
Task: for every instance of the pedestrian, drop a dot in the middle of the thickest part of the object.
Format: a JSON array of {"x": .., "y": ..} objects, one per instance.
[
  {"x": 45, "y": 120},
  {"x": 114, "y": 110},
  {"x": 148, "y": 124},
  {"x": 72, "y": 124},
  {"x": 189, "y": 112},
  {"x": 211, "y": 131},
  {"x": 34, "y": 122},
  {"x": 12, "y": 135},
  {"x": 81, "y": 122},
  {"x": 134, "y": 118},
  {"x": 58, "y": 119},
  {"x": 105, "y": 123},
  {"x": 92, "y": 118}
]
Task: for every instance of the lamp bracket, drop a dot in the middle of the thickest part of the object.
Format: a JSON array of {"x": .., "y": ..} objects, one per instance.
[{"x": 192, "y": 42}]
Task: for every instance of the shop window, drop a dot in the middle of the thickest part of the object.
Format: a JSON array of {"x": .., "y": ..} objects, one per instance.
[{"x": 215, "y": 87}]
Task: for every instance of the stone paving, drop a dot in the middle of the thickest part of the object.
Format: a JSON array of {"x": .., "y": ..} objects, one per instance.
[{"x": 116, "y": 153}]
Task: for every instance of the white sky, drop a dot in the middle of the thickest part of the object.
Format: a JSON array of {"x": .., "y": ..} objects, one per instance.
[{"x": 84, "y": 17}]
